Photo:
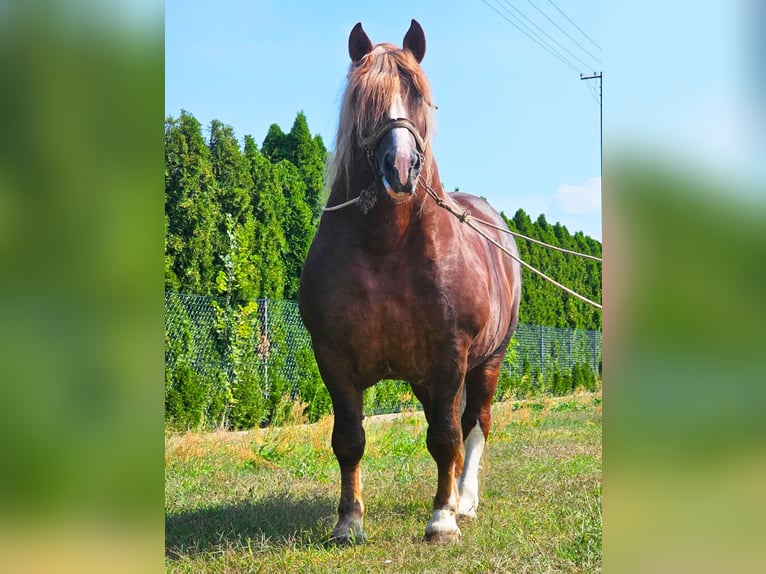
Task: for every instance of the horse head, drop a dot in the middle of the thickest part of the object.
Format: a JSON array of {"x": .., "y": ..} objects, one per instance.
[{"x": 386, "y": 112}]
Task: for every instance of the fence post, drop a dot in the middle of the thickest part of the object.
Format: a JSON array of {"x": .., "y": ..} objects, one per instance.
[
  {"x": 268, "y": 342},
  {"x": 595, "y": 352},
  {"x": 542, "y": 355}
]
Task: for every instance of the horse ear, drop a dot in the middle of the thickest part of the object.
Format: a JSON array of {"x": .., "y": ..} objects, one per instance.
[
  {"x": 359, "y": 44},
  {"x": 415, "y": 41}
]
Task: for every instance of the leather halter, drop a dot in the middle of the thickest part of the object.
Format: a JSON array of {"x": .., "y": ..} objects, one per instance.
[{"x": 370, "y": 143}]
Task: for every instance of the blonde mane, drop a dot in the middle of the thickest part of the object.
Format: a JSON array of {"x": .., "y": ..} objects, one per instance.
[{"x": 372, "y": 86}]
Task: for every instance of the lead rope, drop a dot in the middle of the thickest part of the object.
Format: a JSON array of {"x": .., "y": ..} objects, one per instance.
[
  {"x": 465, "y": 217},
  {"x": 506, "y": 230},
  {"x": 341, "y": 205}
]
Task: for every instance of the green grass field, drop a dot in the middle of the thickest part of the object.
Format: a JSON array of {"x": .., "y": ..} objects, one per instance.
[{"x": 264, "y": 500}]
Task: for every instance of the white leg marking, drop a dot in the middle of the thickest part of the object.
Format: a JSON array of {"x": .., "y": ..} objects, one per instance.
[
  {"x": 443, "y": 519},
  {"x": 469, "y": 481}
]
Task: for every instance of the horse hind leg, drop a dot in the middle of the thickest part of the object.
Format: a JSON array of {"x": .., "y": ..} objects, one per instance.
[
  {"x": 443, "y": 441},
  {"x": 468, "y": 484},
  {"x": 475, "y": 422}
]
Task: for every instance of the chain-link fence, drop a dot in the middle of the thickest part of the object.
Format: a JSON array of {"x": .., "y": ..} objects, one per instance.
[
  {"x": 550, "y": 360},
  {"x": 247, "y": 365},
  {"x": 208, "y": 327},
  {"x": 549, "y": 348}
]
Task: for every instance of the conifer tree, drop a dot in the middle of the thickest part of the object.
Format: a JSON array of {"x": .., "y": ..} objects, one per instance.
[
  {"x": 269, "y": 208},
  {"x": 541, "y": 302},
  {"x": 230, "y": 170},
  {"x": 238, "y": 264},
  {"x": 308, "y": 154},
  {"x": 297, "y": 224},
  {"x": 190, "y": 208},
  {"x": 275, "y": 145},
  {"x": 305, "y": 152}
]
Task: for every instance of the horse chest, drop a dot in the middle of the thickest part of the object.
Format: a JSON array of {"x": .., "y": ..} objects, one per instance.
[{"x": 402, "y": 312}]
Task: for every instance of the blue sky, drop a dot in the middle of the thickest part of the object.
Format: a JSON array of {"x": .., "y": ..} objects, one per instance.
[{"x": 515, "y": 124}]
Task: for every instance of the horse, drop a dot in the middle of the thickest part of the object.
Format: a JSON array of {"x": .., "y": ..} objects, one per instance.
[{"x": 396, "y": 287}]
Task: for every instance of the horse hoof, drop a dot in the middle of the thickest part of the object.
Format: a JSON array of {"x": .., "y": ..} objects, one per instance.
[
  {"x": 347, "y": 538},
  {"x": 443, "y": 527},
  {"x": 448, "y": 537}
]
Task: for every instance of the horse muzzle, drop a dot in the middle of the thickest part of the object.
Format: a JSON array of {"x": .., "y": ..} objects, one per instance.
[
  {"x": 395, "y": 151},
  {"x": 400, "y": 170}
]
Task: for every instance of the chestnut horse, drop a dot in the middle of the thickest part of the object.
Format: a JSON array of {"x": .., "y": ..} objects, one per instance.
[{"x": 395, "y": 287}]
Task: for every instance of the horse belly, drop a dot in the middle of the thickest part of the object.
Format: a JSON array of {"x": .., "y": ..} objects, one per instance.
[{"x": 494, "y": 310}]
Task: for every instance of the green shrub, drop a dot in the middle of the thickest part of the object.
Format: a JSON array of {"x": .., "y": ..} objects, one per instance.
[
  {"x": 389, "y": 396},
  {"x": 185, "y": 398},
  {"x": 189, "y": 392},
  {"x": 311, "y": 388}
]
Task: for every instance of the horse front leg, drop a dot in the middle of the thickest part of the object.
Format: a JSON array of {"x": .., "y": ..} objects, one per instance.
[
  {"x": 444, "y": 441},
  {"x": 348, "y": 442}
]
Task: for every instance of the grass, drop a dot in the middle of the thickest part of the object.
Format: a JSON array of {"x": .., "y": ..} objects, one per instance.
[{"x": 264, "y": 500}]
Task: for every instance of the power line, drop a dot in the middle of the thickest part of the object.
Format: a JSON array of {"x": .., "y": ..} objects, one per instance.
[
  {"x": 532, "y": 32},
  {"x": 527, "y": 28},
  {"x": 531, "y": 38},
  {"x": 575, "y": 25},
  {"x": 593, "y": 92},
  {"x": 596, "y": 97},
  {"x": 532, "y": 35},
  {"x": 548, "y": 35},
  {"x": 562, "y": 31}
]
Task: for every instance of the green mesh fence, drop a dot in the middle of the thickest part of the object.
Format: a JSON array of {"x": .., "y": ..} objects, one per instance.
[{"x": 241, "y": 366}]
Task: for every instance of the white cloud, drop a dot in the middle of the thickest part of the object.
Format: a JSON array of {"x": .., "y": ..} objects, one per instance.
[{"x": 576, "y": 199}]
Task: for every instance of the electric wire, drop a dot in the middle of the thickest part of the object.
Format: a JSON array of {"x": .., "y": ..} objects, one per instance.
[
  {"x": 548, "y": 35},
  {"x": 562, "y": 30},
  {"x": 573, "y": 24},
  {"x": 527, "y": 28},
  {"x": 564, "y": 61},
  {"x": 593, "y": 93}
]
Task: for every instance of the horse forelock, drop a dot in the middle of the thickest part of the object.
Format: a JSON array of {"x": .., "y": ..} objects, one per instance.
[{"x": 372, "y": 87}]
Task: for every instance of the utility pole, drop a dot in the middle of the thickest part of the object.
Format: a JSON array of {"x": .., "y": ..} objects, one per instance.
[{"x": 598, "y": 77}]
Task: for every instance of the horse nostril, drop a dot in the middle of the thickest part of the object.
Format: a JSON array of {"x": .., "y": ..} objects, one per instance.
[
  {"x": 388, "y": 161},
  {"x": 416, "y": 162}
]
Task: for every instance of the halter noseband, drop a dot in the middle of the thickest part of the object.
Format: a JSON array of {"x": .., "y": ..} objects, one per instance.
[{"x": 370, "y": 143}]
